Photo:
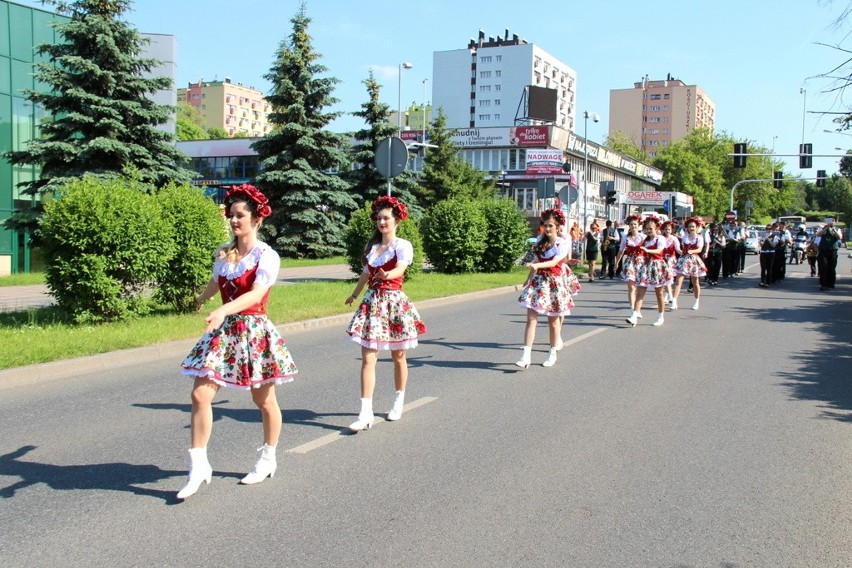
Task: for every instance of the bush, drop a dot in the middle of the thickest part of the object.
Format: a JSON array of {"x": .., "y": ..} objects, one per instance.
[
  {"x": 105, "y": 242},
  {"x": 197, "y": 227},
  {"x": 454, "y": 233},
  {"x": 505, "y": 237},
  {"x": 361, "y": 228}
]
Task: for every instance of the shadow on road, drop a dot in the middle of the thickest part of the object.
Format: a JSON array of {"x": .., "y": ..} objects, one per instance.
[
  {"x": 823, "y": 374},
  {"x": 126, "y": 477}
]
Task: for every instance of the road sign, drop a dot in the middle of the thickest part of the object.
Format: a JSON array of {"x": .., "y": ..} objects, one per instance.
[
  {"x": 731, "y": 216},
  {"x": 391, "y": 157}
]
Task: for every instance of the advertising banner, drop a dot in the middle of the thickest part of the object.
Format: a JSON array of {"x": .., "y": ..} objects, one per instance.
[{"x": 544, "y": 161}]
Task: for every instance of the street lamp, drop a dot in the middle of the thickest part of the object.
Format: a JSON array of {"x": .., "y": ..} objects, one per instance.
[
  {"x": 586, "y": 116},
  {"x": 402, "y": 66},
  {"x": 804, "y": 93},
  {"x": 425, "y": 81}
]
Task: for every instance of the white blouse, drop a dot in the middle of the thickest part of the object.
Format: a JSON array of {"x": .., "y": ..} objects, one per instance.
[
  {"x": 402, "y": 248},
  {"x": 267, "y": 261}
]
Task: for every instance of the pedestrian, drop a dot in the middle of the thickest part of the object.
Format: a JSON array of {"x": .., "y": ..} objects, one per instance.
[
  {"x": 545, "y": 289},
  {"x": 631, "y": 257},
  {"x": 741, "y": 246},
  {"x": 811, "y": 253},
  {"x": 576, "y": 234},
  {"x": 830, "y": 238},
  {"x": 670, "y": 255},
  {"x": 653, "y": 272},
  {"x": 609, "y": 250},
  {"x": 785, "y": 239},
  {"x": 593, "y": 239},
  {"x": 385, "y": 319},
  {"x": 767, "y": 257},
  {"x": 690, "y": 265},
  {"x": 731, "y": 256},
  {"x": 240, "y": 348},
  {"x": 715, "y": 249}
]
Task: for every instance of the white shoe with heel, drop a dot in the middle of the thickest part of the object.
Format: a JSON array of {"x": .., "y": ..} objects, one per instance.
[{"x": 200, "y": 472}]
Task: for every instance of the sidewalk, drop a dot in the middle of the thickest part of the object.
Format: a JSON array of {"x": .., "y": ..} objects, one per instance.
[{"x": 17, "y": 298}]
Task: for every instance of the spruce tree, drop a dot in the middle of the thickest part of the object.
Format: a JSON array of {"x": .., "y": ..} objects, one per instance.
[
  {"x": 367, "y": 182},
  {"x": 310, "y": 205},
  {"x": 102, "y": 121}
]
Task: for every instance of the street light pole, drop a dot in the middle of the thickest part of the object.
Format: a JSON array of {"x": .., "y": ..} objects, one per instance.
[
  {"x": 402, "y": 66},
  {"x": 425, "y": 81},
  {"x": 803, "y": 92}
]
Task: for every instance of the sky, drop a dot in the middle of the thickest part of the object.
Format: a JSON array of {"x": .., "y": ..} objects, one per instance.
[{"x": 753, "y": 58}]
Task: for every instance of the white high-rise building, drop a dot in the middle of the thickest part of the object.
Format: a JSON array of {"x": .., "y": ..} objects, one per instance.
[{"x": 488, "y": 84}]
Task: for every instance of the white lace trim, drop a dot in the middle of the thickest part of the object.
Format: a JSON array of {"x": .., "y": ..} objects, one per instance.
[
  {"x": 402, "y": 248},
  {"x": 262, "y": 254}
]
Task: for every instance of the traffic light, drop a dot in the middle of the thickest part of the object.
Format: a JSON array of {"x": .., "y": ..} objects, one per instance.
[
  {"x": 806, "y": 159},
  {"x": 566, "y": 167},
  {"x": 778, "y": 180},
  {"x": 820, "y": 181},
  {"x": 740, "y": 161},
  {"x": 610, "y": 196}
]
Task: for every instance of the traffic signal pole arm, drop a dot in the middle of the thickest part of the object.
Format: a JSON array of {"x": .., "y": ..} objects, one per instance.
[{"x": 731, "y": 207}]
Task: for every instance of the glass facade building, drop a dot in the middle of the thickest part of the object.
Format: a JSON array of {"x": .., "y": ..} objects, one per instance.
[{"x": 21, "y": 29}]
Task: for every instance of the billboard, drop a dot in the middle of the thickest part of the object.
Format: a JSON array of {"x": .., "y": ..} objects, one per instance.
[{"x": 544, "y": 161}]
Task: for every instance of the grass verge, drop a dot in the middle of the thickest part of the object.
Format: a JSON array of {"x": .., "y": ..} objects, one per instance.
[
  {"x": 22, "y": 279},
  {"x": 45, "y": 334}
]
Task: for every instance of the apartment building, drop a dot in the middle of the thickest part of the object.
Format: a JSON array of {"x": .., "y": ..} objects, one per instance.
[
  {"x": 503, "y": 81},
  {"x": 233, "y": 107},
  {"x": 656, "y": 113}
]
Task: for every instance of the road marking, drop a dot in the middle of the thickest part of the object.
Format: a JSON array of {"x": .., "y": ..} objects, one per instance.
[
  {"x": 329, "y": 438},
  {"x": 585, "y": 336}
]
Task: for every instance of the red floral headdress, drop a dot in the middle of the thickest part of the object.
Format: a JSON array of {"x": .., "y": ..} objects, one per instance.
[
  {"x": 697, "y": 220},
  {"x": 251, "y": 193},
  {"x": 631, "y": 218},
  {"x": 667, "y": 224},
  {"x": 557, "y": 215},
  {"x": 388, "y": 202}
]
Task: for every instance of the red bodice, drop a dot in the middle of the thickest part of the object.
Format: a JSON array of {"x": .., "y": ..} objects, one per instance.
[
  {"x": 232, "y": 289},
  {"x": 553, "y": 270},
  {"x": 378, "y": 284}
]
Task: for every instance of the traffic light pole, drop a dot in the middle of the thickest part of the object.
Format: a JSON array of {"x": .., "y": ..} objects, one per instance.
[{"x": 731, "y": 207}]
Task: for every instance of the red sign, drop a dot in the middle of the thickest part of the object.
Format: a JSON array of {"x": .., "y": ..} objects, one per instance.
[
  {"x": 529, "y": 136},
  {"x": 731, "y": 216}
]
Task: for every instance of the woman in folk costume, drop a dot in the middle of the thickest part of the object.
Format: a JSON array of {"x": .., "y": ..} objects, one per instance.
[
  {"x": 631, "y": 256},
  {"x": 690, "y": 264},
  {"x": 545, "y": 290},
  {"x": 671, "y": 254},
  {"x": 653, "y": 272},
  {"x": 241, "y": 348},
  {"x": 385, "y": 319}
]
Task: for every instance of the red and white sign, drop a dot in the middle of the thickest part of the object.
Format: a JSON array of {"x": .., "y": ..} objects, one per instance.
[
  {"x": 530, "y": 136},
  {"x": 544, "y": 161},
  {"x": 731, "y": 216},
  {"x": 646, "y": 198}
]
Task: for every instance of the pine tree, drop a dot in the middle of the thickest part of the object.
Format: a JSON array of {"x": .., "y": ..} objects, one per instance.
[
  {"x": 446, "y": 175},
  {"x": 367, "y": 182},
  {"x": 102, "y": 119},
  {"x": 309, "y": 205}
]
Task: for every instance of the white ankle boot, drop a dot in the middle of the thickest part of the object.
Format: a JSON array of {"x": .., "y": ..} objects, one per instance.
[
  {"x": 365, "y": 417},
  {"x": 398, "y": 402},
  {"x": 524, "y": 361},
  {"x": 634, "y": 317},
  {"x": 265, "y": 466},
  {"x": 660, "y": 320},
  {"x": 551, "y": 358},
  {"x": 199, "y": 472},
  {"x": 560, "y": 344},
  {"x": 674, "y": 303},
  {"x": 695, "y": 306}
]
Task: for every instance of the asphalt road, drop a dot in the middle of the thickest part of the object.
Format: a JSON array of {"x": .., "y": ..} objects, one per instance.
[{"x": 721, "y": 439}]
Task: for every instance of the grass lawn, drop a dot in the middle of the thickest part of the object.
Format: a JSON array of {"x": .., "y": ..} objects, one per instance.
[{"x": 44, "y": 334}]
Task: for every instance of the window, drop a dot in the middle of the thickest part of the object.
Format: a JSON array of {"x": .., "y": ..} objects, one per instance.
[
  {"x": 496, "y": 117},
  {"x": 485, "y": 103},
  {"x": 496, "y": 102},
  {"x": 666, "y": 107},
  {"x": 484, "y": 117},
  {"x": 485, "y": 88},
  {"x": 654, "y": 119},
  {"x": 485, "y": 74},
  {"x": 498, "y": 58},
  {"x": 496, "y": 87},
  {"x": 498, "y": 73},
  {"x": 666, "y": 96},
  {"x": 665, "y": 119},
  {"x": 485, "y": 59},
  {"x": 654, "y": 97},
  {"x": 665, "y": 130}
]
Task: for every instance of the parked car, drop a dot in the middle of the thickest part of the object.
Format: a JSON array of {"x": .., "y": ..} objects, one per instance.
[{"x": 752, "y": 241}]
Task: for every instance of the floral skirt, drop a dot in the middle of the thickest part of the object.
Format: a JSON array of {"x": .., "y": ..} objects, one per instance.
[
  {"x": 386, "y": 320},
  {"x": 547, "y": 295},
  {"x": 244, "y": 352},
  {"x": 653, "y": 274},
  {"x": 571, "y": 282},
  {"x": 629, "y": 267},
  {"x": 690, "y": 265}
]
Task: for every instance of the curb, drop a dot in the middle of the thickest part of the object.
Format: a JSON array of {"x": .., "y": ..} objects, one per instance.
[{"x": 176, "y": 350}]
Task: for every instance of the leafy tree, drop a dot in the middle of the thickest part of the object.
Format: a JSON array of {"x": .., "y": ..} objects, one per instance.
[
  {"x": 190, "y": 123},
  {"x": 454, "y": 235},
  {"x": 620, "y": 142},
  {"x": 216, "y": 133},
  {"x": 102, "y": 121},
  {"x": 846, "y": 165},
  {"x": 366, "y": 182},
  {"x": 446, "y": 175},
  {"x": 310, "y": 205}
]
